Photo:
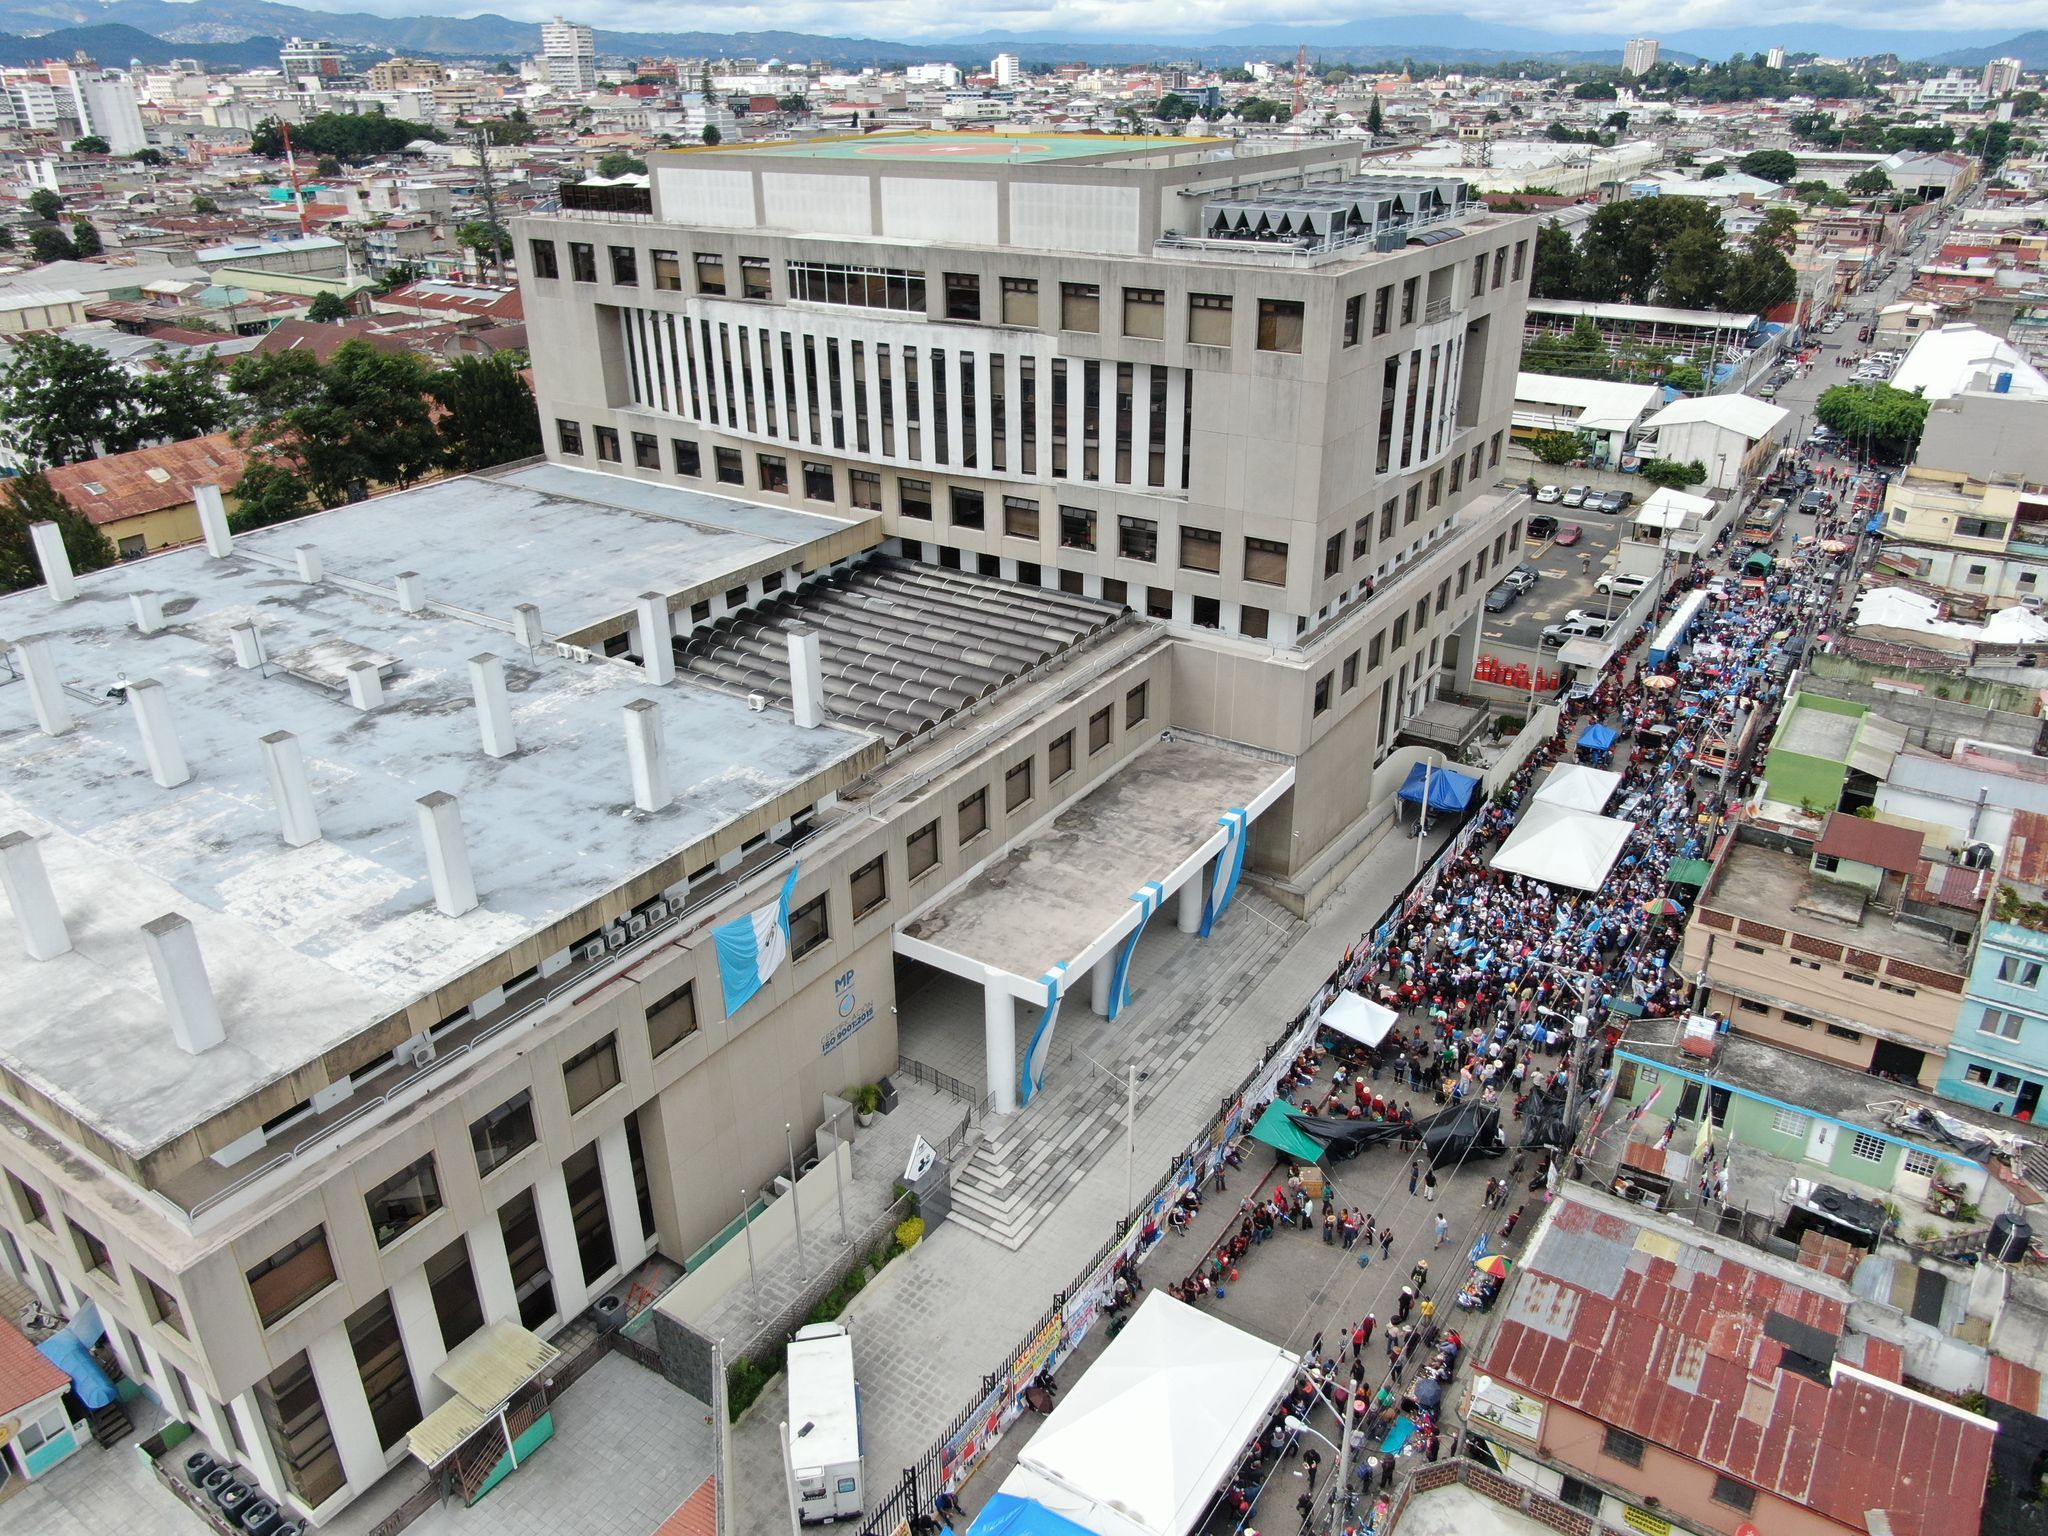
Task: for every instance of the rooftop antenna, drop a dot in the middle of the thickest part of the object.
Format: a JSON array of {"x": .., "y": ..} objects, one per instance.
[
  {"x": 1300, "y": 79},
  {"x": 291, "y": 164}
]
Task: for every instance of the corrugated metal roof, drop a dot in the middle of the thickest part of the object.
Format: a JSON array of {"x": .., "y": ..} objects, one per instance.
[
  {"x": 2026, "y": 848},
  {"x": 1870, "y": 842},
  {"x": 124, "y": 485},
  {"x": 1878, "y": 742},
  {"x": 483, "y": 1372}
]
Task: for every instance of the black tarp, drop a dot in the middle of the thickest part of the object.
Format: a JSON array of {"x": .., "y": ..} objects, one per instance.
[{"x": 1448, "y": 1136}]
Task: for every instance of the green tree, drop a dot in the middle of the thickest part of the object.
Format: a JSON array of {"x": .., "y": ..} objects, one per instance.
[
  {"x": 711, "y": 135},
  {"x": 1375, "y": 117},
  {"x": 1778, "y": 165},
  {"x": 92, "y": 144},
  {"x": 344, "y": 135},
  {"x": 1993, "y": 143},
  {"x": 1623, "y": 253},
  {"x": 150, "y": 155},
  {"x": 1869, "y": 183},
  {"x": 1594, "y": 90},
  {"x": 327, "y": 165},
  {"x": 1669, "y": 474},
  {"x": 619, "y": 163},
  {"x": 490, "y": 244},
  {"x": 6, "y": 238},
  {"x": 45, "y": 204},
  {"x": 186, "y": 398},
  {"x": 1555, "y": 273},
  {"x": 1709, "y": 172},
  {"x": 489, "y": 416},
  {"x": 1560, "y": 447},
  {"x": 50, "y": 244},
  {"x": 271, "y": 383},
  {"x": 31, "y": 499},
  {"x": 360, "y": 422},
  {"x": 62, "y": 401},
  {"x": 327, "y": 307},
  {"x": 85, "y": 240},
  {"x": 1686, "y": 378},
  {"x": 268, "y": 492},
  {"x": 796, "y": 104},
  {"x": 1694, "y": 273},
  {"x": 201, "y": 203},
  {"x": 1884, "y": 421},
  {"x": 1618, "y": 121},
  {"x": 2026, "y": 103},
  {"x": 397, "y": 275}
]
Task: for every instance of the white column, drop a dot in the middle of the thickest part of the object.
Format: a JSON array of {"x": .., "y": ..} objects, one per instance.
[
  {"x": 348, "y": 1407},
  {"x": 34, "y": 900},
  {"x": 999, "y": 1021},
  {"x": 558, "y": 1241},
  {"x": 151, "y": 707},
  {"x": 440, "y": 828},
  {"x": 956, "y": 439},
  {"x": 802, "y": 362},
  {"x": 419, "y": 1330},
  {"x": 213, "y": 1423},
  {"x": 262, "y": 1455},
  {"x": 213, "y": 520},
  {"x": 881, "y": 439},
  {"x": 646, "y": 755},
  {"x": 148, "y": 609},
  {"x": 806, "y": 677},
  {"x": 190, "y": 1007},
  {"x": 620, "y": 1203},
  {"x": 284, "y": 770},
  {"x": 492, "y": 1267},
  {"x": 526, "y": 626},
  {"x": 493, "y": 706},
  {"x": 1189, "y": 914},
  {"x": 54, "y": 560},
  {"x": 657, "y": 657},
  {"x": 45, "y": 690},
  {"x": 1100, "y": 979}
]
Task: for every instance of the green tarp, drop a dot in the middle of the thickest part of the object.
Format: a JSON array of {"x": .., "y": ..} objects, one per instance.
[
  {"x": 1276, "y": 1128},
  {"x": 1688, "y": 872}
]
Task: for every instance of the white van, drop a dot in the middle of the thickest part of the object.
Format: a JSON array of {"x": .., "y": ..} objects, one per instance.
[{"x": 824, "y": 1424}]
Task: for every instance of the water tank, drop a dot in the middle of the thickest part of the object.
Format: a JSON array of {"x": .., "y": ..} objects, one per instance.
[{"x": 2010, "y": 1239}]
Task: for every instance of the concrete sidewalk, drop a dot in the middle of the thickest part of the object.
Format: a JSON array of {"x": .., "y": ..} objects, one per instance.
[{"x": 938, "y": 1320}]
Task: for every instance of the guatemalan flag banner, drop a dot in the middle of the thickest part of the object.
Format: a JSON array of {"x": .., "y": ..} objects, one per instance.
[{"x": 752, "y": 948}]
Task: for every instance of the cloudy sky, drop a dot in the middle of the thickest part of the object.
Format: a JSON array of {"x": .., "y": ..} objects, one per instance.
[{"x": 1594, "y": 20}]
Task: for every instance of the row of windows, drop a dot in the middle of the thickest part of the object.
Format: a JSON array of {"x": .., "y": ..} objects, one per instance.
[{"x": 1280, "y": 322}]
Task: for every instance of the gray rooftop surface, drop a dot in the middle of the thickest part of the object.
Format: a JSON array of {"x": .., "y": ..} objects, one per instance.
[
  {"x": 1777, "y": 886},
  {"x": 1062, "y": 888},
  {"x": 309, "y": 946},
  {"x": 1817, "y": 733}
]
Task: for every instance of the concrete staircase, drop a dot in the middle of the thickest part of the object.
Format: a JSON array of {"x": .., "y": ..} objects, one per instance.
[{"x": 1027, "y": 1162}]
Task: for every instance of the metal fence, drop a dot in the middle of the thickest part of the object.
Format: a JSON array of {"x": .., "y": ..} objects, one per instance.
[
  {"x": 945, "y": 1082},
  {"x": 776, "y": 1329}
]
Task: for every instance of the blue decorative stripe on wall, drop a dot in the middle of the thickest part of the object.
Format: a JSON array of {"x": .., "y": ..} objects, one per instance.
[
  {"x": 1149, "y": 899},
  {"x": 1032, "y": 1075}
]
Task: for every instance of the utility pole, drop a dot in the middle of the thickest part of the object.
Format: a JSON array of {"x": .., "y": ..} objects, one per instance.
[{"x": 481, "y": 142}]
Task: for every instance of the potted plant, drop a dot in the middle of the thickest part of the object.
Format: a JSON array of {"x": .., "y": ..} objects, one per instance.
[{"x": 867, "y": 1101}]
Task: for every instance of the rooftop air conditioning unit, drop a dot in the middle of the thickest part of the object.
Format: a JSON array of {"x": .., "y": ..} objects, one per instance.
[
  {"x": 590, "y": 949},
  {"x": 615, "y": 938},
  {"x": 636, "y": 927},
  {"x": 757, "y": 702},
  {"x": 416, "y": 1053}
]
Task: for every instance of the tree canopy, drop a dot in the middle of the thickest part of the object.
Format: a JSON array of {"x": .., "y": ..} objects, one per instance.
[
  {"x": 619, "y": 163},
  {"x": 1884, "y": 421},
  {"x": 344, "y": 135},
  {"x": 1672, "y": 475},
  {"x": 1560, "y": 447},
  {"x": 490, "y": 417},
  {"x": 29, "y": 499},
  {"x": 1779, "y": 165},
  {"x": 62, "y": 401},
  {"x": 92, "y": 144},
  {"x": 327, "y": 307},
  {"x": 1665, "y": 250}
]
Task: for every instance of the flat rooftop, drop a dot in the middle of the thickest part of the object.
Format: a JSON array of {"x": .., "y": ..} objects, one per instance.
[
  {"x": 307, "y": 947},
  {"x": 979, "y": 148},
  {"x": 1818, "y": 733},
  {"x": 1778, "y": 886},
  {"x": 1061, "y": 889}
]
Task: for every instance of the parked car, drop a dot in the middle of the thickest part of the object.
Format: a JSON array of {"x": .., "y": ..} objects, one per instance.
[
  {"x": 1500, "y": 596},
  {"x": 1621, "y": 499},
  {"x": 1569, "y": 535},
  {"x": 1620, "y": 585},
  {"x": 1521, "y": 578},
  {"x": 1541, "y": 526},
  {"x": 1585, "y": 627},
  {"x": 1548, "y": 494},
  {"x": 1576, "y": 496},
  {"x": 1606, "y": 503},
  {"x": 1768, "y": 392}
]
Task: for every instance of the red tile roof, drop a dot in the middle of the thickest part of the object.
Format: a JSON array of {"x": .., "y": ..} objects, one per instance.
[
  {"x": 1871, "y": 842},
  {"x": 149, "y": 479},
  {"x": 25, "y": 1375},
  {"x": 1668, "y": 1342}
]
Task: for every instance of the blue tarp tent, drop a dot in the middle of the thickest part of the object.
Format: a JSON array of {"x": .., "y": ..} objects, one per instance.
[
  {"x": 1448, "y": 791},
  {"x": 75, "y": 1360},
  {"x": 1597, "y": 738},
  {"x": 1007, "y": 1515}
]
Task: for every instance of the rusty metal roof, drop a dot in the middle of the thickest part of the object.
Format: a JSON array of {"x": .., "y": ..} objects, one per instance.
[
  {"x": 124, "y": 485},
  {"x": 1870, "y": 842}
]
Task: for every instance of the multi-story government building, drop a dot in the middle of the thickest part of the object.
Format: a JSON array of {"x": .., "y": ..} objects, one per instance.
[{"x": 927, "y": 520}]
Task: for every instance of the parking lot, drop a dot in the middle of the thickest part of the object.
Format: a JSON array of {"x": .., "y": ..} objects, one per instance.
[{"x": 1561, "y": 583}]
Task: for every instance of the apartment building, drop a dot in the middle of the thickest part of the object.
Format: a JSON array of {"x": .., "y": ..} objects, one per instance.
[
  {"x": 1258, "y": 398},
  {"x": 1998, "y": 1060},
  {"x": 1821, "y": 947},
  {"x": 568, "y": 55}
]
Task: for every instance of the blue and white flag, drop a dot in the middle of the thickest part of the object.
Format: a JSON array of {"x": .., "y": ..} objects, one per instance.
[
  {"x": 1229, "y": 864},
  {"x": 752, "y": 948},
  {"x": 1033, "y": 1072},
  {"x": 1149, "y": 898}
]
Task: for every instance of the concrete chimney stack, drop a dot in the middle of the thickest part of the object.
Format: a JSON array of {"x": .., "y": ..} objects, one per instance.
[
  {"x": 526, "y": 626},
  {"x": 189, "y": 1003},
  {"x": 152, "y": 707},
  {"x": 148, "y": 608},
  {"x": 365, "y": 686},
  {"x": 45, "y": 693},
  {"x": 806, "y": 677},
  {"x": 248, "y": 648},
  {"x": 55, "y": 560},
  {"x": 308, "y": 557},
  {"x": 657, "y": 654},
  {"x": 27, "y": 883},
  {"x": 493, "y": 705},
  {"x": 213, "y": 521},
  {"x": 647, "y": 755},
  {"x": 447, "y": 853},
  {"x": 284, "y": 769},
  {"x": 412, "y": 591}
]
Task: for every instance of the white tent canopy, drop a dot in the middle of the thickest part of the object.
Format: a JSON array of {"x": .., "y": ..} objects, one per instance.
[
  {"x": 1579, "y": 788},
  {"x": 1361, "y": 1018},
  {"x": 1140, "y": 1444},
  {"x": 1563, "y": 846}
]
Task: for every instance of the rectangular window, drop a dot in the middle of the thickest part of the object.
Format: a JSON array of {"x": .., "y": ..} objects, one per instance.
[
  {"x": 1409, "y": 292},
  {"x": 646, "y": 451},
  {"x": 710, "y": 273},
  {"x": 973, "y": 818},
  {"x": 1735, "y": 1495},
  {"x": 589, "y": 1217},
  {"x": 1322, "y": 693},
  {"x": 731, "y": 471},
  {"x": 504, "y": 1133},
  {"x": 1137, "y": 538},
  {"x": 1209, "y": 319},
  {"x": 1098, "y": 731},
  {"x": 291, "y": 1277},
  {"x": 91, "y": 1251},
  {"x": 582, "y": 262},
  {"x": 1080, "y": 307},
  {"x": 608, "y": 444},
  {"x": 533, "y": 1284},
  {"x": 288, "y": 1402},
  {"x": 1280, "y": 325},
  {"x": 1059, "y": 758},
  {"x": 1350, "y": 672},
  {"x": 774, "y": 471},
  {"x": 1017, "y": 786},
  {"x": 1921, "y": 1163},
  {"x": 963, "y": 296},
  {"x": 625, "y": 266},
  {"x": 1789, "y": 1122},
  {"x": 1020, "y": 301},
  {"x": 870, "y": 886},
  {"x": 817, "y": 481},
  {"x": 668, "y": 271},
  {"x": 824, "y": 282},
  {"x": 1020, "y": 517},
  {"x": 968, "y": 509},
  {"x": 1159, "y": 602},
  {"x": 1265, "y": 561},
  {"x": 809, "y": 926},
  {"x": 922, "y": 849},
  {"x": 1333, "y": 554},
  {"x": 1521, "y": 250},
  {"x": 864, "y": 489},
  {"x": 672, "y": 1019},
  {"x": 544, "y": 262},
  {"x": 1135, "y": 704},
  {"x": 914, "y": 499},
  {"x": 2003, "y": 1023},
  {"x": 379, "y": 1351},
  {"x": 404, "y": 1200},
  {"x": 591, "y": 1073},
  {"x": 1869, "y": 1148},
  {"x": 162, "y": 1305},
  {"x": 1145, "y": 313},
  {"x": 1375, "y": 651},
  {"x": 2018, "y": 972},
  {"x": 688, "y": 460},
  {"x": 757, "y": 278},
  {"x": 1354, "y": 314},
  {"x": 569, "y": 436},
  {"x": 452, "y": 1285},
  {"x": 1383, "y": 310},
  {"x": 1623, "y": 1447},
  {"x": 1252, "y": 622},
  {"x": 1201, "y": 549}
]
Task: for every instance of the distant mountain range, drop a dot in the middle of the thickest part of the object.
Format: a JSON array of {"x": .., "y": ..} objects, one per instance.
[
  {"x": 114, "y": 30},
  {"x": 115, "y": 45}
]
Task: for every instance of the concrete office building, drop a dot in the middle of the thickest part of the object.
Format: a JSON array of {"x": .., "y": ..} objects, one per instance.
[
  {"x": 1639, "y": 56},
  {"x": 568, "y": 55},
  {"x": 1258, "y": 398},
  {"x": 2002, "y": 77},
  {"x": 107, "y": 107},
  {"x": 311, "y": 60}
]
